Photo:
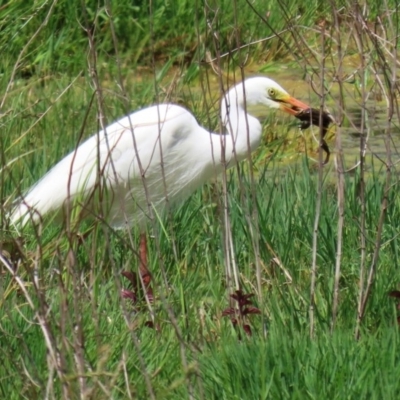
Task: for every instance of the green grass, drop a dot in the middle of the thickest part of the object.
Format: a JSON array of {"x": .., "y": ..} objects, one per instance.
[
  {"x": 159, "y": 30},
  {"x": 284, "y": 363},
  {"x": 288, "y": 365},
  {"x": 105, "y": 348}
]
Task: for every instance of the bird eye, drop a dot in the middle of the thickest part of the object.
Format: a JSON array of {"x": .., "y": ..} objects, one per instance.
[{"x": 271, "y": 92}]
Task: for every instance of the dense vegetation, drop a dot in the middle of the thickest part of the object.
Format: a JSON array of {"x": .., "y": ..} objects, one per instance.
[{"x": 308, "y": 236}]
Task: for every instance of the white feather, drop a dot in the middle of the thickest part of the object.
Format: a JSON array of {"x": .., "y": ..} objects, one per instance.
[{"x": 154, "y": 155}]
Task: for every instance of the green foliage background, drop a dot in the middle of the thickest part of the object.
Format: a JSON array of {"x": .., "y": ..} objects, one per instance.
[{"x": 194, "y": 352}]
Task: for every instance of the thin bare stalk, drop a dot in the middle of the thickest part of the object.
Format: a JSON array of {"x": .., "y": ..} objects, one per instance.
[
  {"x": 361, "y": 184},
  {"x": 339, "y": 165},
  {"x": 389, "y": 75},
  {"x": 142, "y": 172},
  {"x": 252, "y": 217},
  {"x": 92, "y": 60},
  {"x": 231, "y": 270},
  {"x": 319, "y": 193}
]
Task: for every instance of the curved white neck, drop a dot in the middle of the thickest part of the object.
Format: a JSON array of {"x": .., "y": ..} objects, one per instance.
[{"x": 243, "y": 131}]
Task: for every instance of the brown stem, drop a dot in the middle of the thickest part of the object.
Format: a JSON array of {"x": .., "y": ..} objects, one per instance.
[
  {"x": 144, "y": 271},
  {"x": 363, "y": 251},
  {"x": 339, "y": 171},
  {"x": 318, "y": 200}
]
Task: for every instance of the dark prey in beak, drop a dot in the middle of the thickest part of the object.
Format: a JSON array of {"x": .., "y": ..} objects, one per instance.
[{"x": 310, "y": 117}]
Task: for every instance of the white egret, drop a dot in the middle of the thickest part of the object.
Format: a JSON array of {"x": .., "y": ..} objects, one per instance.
[{"x": 152, "y": 156}]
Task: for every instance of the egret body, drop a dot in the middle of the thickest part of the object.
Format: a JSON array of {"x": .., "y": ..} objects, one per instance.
[{"x": 152, "y": 156}]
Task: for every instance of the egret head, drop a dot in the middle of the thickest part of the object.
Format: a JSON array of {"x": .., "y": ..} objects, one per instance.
[{"x": 265, "y": 91}]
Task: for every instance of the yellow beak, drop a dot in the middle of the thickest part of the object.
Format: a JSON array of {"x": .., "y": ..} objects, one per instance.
[{"x": 292, "y": 105}]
